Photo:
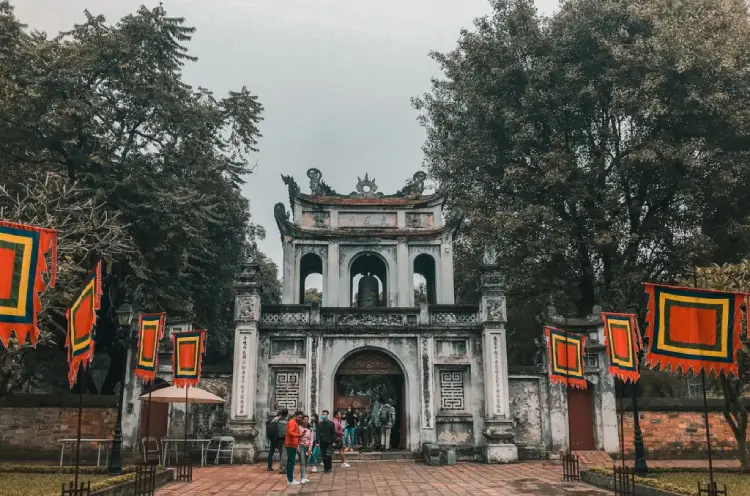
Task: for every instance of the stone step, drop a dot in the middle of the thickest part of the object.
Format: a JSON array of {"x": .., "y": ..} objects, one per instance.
[
  {"x": 594, "y": 458},
  {"x": 377, "y": 456}
]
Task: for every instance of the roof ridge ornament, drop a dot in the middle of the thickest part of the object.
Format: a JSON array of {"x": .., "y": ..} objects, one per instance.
[
  {"x": 366, "y": 188},
  {"x": 318, "y": 187},
  {"x": 414, "y": 187}
]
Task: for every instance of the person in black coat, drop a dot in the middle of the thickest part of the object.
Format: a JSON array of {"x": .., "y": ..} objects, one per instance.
[{"x": 326, "y": 435}]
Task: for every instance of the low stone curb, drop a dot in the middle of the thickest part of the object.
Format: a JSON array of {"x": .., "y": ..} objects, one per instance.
[
  {"x": 126, "y": 488},
  {"x": 607, "y": 482}
]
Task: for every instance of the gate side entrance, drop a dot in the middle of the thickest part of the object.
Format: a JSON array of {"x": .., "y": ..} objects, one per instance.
[
  {"x": 581, "y": 420},
  {"x": 368, "y": 376}
]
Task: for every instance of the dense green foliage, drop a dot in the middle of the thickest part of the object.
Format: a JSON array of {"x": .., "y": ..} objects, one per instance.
[
  {"x": 596, "y": 149},
  {"x": 105, "y": 106}
]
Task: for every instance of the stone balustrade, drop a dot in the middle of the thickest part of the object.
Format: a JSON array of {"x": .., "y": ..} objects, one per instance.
[{"x": 283, "y": 316}]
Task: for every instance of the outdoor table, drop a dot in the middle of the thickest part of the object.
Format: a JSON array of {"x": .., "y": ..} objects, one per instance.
[
  {"x": 72, "y": 442},
  {"x": 202, "y": 442}
]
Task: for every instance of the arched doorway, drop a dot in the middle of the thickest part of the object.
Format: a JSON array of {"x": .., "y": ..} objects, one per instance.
[{"x": 367, "y": 376}]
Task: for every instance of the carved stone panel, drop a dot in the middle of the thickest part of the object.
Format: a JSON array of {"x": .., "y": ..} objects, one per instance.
[
  {"x": 419, "y": 220},
  {"x": 495, "y": 309},
  {"x": 368, "y": 219},
  {"x": 316, "y": 219},
  {"x": 450, "y": 348},
  {"x": 286, "y": 389},
  {"x": 246, "y": 308},
  {"x": 452, "y": 390},
  {"x": 288, "y": 348}
]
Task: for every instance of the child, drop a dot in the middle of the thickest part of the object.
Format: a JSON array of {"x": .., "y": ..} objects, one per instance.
[{"x": 305, "y": 446}]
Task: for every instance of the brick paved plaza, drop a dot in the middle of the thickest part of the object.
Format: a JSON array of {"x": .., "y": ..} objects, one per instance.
[{"x": 401, "y": 478}]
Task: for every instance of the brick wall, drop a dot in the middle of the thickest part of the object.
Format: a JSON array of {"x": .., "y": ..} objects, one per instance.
[
  {"x": 31, "y": 426},
  {"x": 676, "y": 429}
]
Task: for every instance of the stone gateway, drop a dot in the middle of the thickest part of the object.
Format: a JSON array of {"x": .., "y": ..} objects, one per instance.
[{"x": 440, "y": 369}]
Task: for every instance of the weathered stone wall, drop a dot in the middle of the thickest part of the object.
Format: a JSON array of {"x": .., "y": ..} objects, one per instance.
[
  {"x": 31, "y": 426},
  {"x": 531, "y": 427},
  {"x": 678, "y": 429}
]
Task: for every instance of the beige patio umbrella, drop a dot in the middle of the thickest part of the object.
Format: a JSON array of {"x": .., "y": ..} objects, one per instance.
[{"x": 172, "y": 394}]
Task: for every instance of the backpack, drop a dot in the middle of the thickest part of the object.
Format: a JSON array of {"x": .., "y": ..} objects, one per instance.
[
  {"x": 384, "y": 415},
  {"x": 272, "y": 429}
]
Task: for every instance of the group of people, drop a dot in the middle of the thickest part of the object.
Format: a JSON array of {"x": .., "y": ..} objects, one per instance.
[
  {"x": 373, "y": 427},
  {"x": 306, "y": 439}
]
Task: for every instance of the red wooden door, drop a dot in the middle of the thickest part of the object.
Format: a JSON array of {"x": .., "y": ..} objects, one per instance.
[
  {"x": 580, "y": 420},
  {"x": 158, "y": 419}
]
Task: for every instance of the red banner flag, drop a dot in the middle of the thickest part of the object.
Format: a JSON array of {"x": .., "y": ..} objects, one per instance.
[
  {"x": 81, "y": 315},
  {"x": 566, "y": 351},
  {"x": 187, "y": 355},
  {"x": 693, "y": 329},
  {"x": 622, "y": 341},
  {"x": 22, "y": 261},
  {"x": 150, "y": 333}
]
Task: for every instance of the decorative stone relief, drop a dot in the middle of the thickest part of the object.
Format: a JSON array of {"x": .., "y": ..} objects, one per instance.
[
  {"x": 367, "y": 219},
  {"x": 287, "y": 389},
  {"x": 426, "y": 383},
  {"x": 284, "y": 318},
  {"x": 495, "y": 310},
  {"x": 450, "y": 348},
  {"x": 370, "y": 319},
  {"x": 316, "y": 218},
  {"x": 419, "y": 220},
  {"x": 247, "y": 308},
  {"x": 451, "y": 390},
  {"x": 287, "y": 348},
  {"x": 433, "y": 250}
]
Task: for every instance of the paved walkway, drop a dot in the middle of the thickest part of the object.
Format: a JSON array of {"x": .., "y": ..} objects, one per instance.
[{"x": 402, "y": 478}]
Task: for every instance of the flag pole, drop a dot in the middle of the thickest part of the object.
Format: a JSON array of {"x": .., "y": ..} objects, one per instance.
[
  {"x": 82, "y": 386},
  {"x": 622, "y": 422},
  {"x": 708, "y": 432}
]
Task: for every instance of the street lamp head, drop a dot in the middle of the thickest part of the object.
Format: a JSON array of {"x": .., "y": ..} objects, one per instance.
[{"x": 124, "y": 314}]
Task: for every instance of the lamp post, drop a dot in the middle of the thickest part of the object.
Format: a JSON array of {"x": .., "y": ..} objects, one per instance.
[
  {"x": 640, "y": 466},
  {"x": 124, "y": 319}
]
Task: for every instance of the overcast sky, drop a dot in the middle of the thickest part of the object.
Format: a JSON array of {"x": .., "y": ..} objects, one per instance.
[{"x": 335, "y": 78}]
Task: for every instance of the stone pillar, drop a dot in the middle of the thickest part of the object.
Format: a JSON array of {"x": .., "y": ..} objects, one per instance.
[
  {"x": 498, "y": 422},
  {"x": 242, "y": 419},
  {"x": 405, "y": 286},
  {"x": 331, "y": 290}
]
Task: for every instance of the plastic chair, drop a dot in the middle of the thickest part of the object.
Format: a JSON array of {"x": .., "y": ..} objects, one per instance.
[
  {"x": 223, "y": 446},
  {"x": 153, "y": 445},
  {"x": 170, "y": 448}
]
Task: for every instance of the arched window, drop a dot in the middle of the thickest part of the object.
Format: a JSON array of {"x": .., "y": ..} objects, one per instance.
[
  {"x": 424, "y": 279},
  {"x": 311, "y": 278},
  {"x": 372, "y": 266}
]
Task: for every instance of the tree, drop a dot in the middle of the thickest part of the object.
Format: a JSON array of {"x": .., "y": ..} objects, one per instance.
[
  {"x": 313, "y": 295},
  {"x": 420, "y": 293},
  {"x": 732, "y": 277},
  {"x": 592, "y": 149},
  {"x": 105, "y": 105},
  {"x": 85, "y": 231}
]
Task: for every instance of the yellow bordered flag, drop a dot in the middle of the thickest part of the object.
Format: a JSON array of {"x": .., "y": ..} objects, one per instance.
[
  {"x": 187, "y": 356},
  {"x": 81, "y": 315},
  {"x": 622, "y": 339},
  {"x": 23, "y": 251},
  {"x": 693, "y": 329},
  {"x": 566, "y": 352},
  {"x": 150, "y": 333}
]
